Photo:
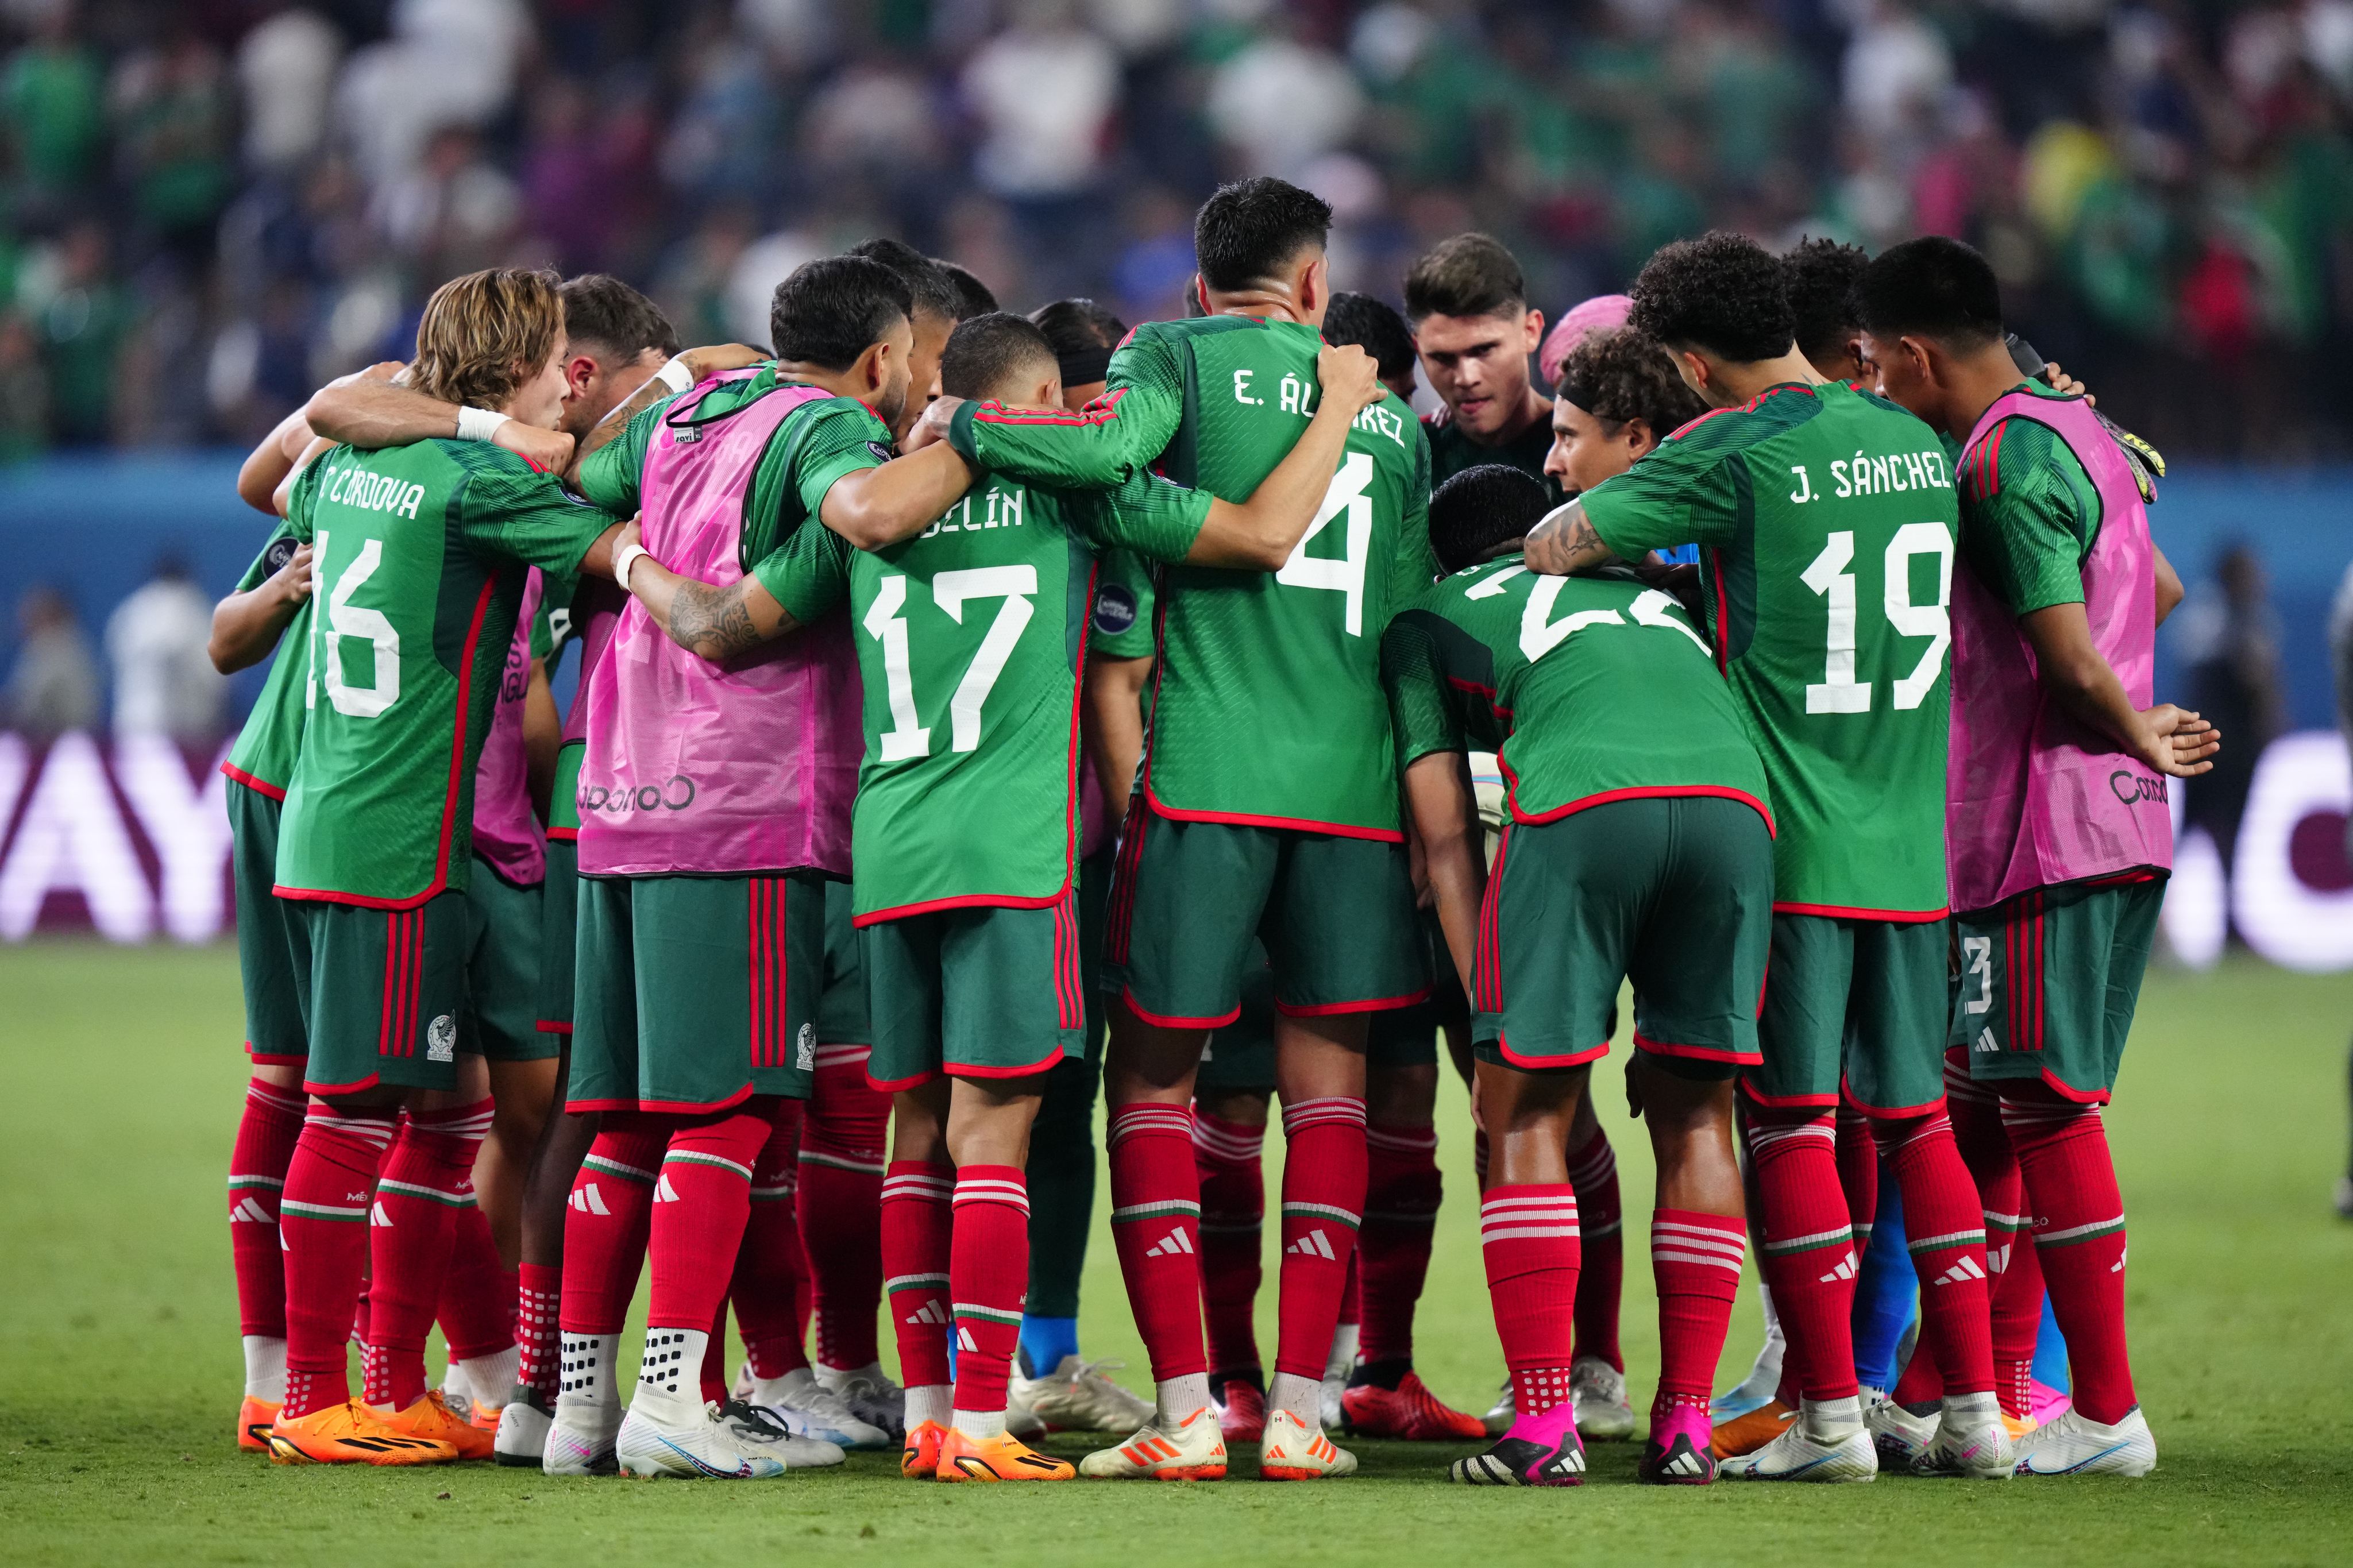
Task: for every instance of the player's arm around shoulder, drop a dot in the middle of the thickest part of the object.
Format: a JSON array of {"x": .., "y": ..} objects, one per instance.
[
  {"x": 1099, "y": 447},
  {"x": 849, "y": 477},
  {"x": 1258, "y": 535}
]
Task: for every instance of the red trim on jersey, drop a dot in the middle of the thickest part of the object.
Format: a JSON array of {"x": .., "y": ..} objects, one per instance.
[
  {"x": 1292, "y": 823},
  {"x": 1633, "y": 791},
  {"x": 1568, "y": 1059},
  {"x": 240, "y": 775},
  {"x": 564, "y": 834},
  {"x": 553, "y": 1026},
  {"x": 311, "y": 1086},
  {"x": 1487, "y": 950},
  {"x": 1698, "y": 1053},
  {"x": 1488, "y": 692},
  {"x": 1843, "y": 912},
  {"x": 1886, "y": 1113},
  {"x": 1333, "y": 1009},
  {"x": 1101, "y": 411},
  {"x": 1167, "y": 1021}
]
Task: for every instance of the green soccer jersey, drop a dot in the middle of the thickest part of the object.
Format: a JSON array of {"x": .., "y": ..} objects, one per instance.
[
  {"x": 265, "y": 749},
  {"x": 2030, "y": 514},
  {"x": 419, "y": 555},
  {"x": 969, "y": 637},
  {"x": 1588, "y": 690},
  {"x": 1122, "y": 626},
  {"x": 1451, "y": 451},
  {"x": 1268, "y": 706},
  {"x": 1825, "y": 519}
]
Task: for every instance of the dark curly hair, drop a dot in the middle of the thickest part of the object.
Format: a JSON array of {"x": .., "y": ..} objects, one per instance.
[
  {"x": 1821, "y": 273},
  {"x": 1722, "y": 293},
  {"x": 1619, "y": 373},
  {"x": 1482, "y": 508}
]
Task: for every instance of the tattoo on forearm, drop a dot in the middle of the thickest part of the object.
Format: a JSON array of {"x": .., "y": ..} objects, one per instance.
[{"x": 714, "y": 622}]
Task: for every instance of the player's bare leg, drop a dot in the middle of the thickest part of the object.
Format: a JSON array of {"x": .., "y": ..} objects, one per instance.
[
  {"x": 1698, "y": 1231},
  {"x": 1319, "y": 1072}
]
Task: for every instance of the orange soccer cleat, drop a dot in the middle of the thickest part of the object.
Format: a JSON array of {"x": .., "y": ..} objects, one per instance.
[
  {"x": 1410, "y": 1411},
  {"x": 920, "y": 1460},
  {"x": 254, "y": 1420},
  {"x": 1746, "y": 1434},
  {"x": 1003, "y": 1458},
  {"x": 433, "y": 1420},
  {"x": 349, "y": 1434}
]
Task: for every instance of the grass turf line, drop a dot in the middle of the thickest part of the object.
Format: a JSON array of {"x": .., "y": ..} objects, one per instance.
[{"x": 119, "y": 1349}]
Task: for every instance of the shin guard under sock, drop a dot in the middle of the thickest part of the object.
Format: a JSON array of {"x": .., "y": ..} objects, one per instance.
[
  {"x": 2079, "y": 1239},
  {"x": 844, "y": 1134},
  {"x": 1600, "y": 1280},
  {"x": 1402, "y": 1191},
  {"x": 1155, "y": 1220},
  {"x": 266, "y": 1136},
  {"x": 428, "y": 1176},
  {"x": 918, "y": 1239},
  {"x": 1807, "y": 1245},
  {"x": 1322, "y": 1204},
  {"x": 324, "y": 1220},
  {"x": 988, "y": 1275},
  {"x": 1528, "y": 1241}
]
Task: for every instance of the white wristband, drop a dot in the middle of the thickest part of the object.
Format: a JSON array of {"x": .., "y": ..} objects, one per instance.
[
  {"x": 676, "y": 374},
  {"x": 625, "y": 558},
  {"x": 478, "y": 424}
]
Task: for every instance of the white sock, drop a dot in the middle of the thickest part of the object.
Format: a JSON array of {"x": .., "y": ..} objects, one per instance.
[
  {"x": 1343, "y": 1359},
  {"x": 782, "y": 1392},
  {"x": 265, "y": 1368},
  {"x": 929, "y": 1402},
  {"x": 833, "y": 1377},
  {"x": 1303, "y": 1396},
  {"x": 1830, "y": 1420},
  {"x": 672, "y": 1366},
  {"x": 489, "y": 1378},
  {"x": 1972, "y": 1409},
  {"x": 587, "y": 1376},
  {"x": 1179, "y": 1398},
  {"x": 978, "y": 1423}
]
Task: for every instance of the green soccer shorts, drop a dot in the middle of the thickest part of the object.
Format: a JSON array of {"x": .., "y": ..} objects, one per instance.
[
  {"x": 1336, "y": 914},
  {"x": 695, "y": 992},
  {"x": 982, "y": 992},
  {"x": 1857, "y": 1006},
  {"x": 1674, "y": 893},
  {"x": 388, "y": 990},
  {"x": 1239, "y": 1057},
  {"x": 2049, "y": 982},
  {"x": 506, "y": 925},
  {"x": 841, "y": 1016},
  {"x": 273, "y": 940},
  {"x": 559, "y": 937}
]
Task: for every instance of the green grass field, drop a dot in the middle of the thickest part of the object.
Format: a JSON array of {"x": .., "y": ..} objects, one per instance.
[{"x": 119, "y": 1349}]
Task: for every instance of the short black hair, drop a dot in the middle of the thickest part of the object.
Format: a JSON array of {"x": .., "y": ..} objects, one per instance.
[
  {"x": 830, "y": 310},
  {"x": 1723, "y": 293},
  {"x": 1075, "y": 324},
  {"x": 935, "y": 293},
  {"x": 1821, "y": 273},
  {"x": 1372, "y": 326},
  {"x": 614, "y": 317},
  {"x": 1617, "y": 374},
  {"x": 1482, "y": 508},
  {"x": 1245, "y": 233},
  {"x": 973, "y": 296},
  {"x": 1931, "y": 287},
  {"x": 984, "y": 352},
  {"x": 1468, "y": 275}
]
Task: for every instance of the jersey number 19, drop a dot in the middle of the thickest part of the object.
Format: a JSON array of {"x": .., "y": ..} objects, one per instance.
[{"x": 1831, "y": 577}]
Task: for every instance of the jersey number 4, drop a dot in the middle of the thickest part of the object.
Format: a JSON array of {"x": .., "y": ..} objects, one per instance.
[
  {"x": 345, "y": 619},
  {"x": 1349, "y": 493},
  {"x": 1831, "y": 576},
  {"x": 906, "y": 738}
]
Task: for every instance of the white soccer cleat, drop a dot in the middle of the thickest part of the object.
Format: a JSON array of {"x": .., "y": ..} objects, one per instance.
[
  {"x": 1598, "y": 1391},
  {"x": 1077, "y": 1397},
  {"x": 809, "y": 1409},
  {"x": 580, "y": 1441},
  {"x": 754, "y": 1424},
  {"x": 1900, "y": 1436},
  {"x": 2075, "y": 1444},
  {"x": 677, "y": 1434},
  {"x": 1194, "y": 1451},
  {"x": 1020, "y": 1420},
  {"x": 1973, "y": 1444},
  {"x": 870, "y": 1394},
  {"x": 1810, "y": 1452},
  {"x": 524, "y": 1424},
  {"x": 1293, "y": 1451},
  {"x": 458, "y": 1391},
  {"x": 1505, "y": 1411}
]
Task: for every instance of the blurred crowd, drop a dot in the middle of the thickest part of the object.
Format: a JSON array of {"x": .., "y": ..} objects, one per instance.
[{"x": 211, "y": 206}]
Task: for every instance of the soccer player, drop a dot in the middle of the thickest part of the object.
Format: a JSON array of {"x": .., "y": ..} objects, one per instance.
[
  {"x": 1821, "y": 276},
  {"x": 2060, "y": 837},
  {"x": 419, "y": 552},
  {"x": 1295, "y": 839},
  {"x": 1474, "y": 330},
  {"x": 714, "y": 800},
  {"x": 939, "y": 305},
  {"x": 1825, "y": 521},
  {"x": 1380, "y": 332},
  {"x": 1638, "y": 845}
]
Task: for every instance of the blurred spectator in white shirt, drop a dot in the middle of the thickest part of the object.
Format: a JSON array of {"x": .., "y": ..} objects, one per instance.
[
  {"x": 53, "y": 686},
  {"x": 164, "y": 683},
  {"x": 287, "y": 68},
  {"x": 1044, "y": 89}
]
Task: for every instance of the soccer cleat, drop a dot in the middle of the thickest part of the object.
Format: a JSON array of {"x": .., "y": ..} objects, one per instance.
[
  {"x": 1003, "y": 1458},
  {"x": 2047, "y": 1403},
  {"x": 523, "y": 1422},
  {"x": 919, "y": 1457},
  {"x": 2075, "y": 1444},
  {"x": 1243, "y": 1417},
  {"x": 1900, "y": 1436},
  {"x": 677, "y": 1435},
  {"x": 871, "y": 1397},
  {"x": 1502, "y": 1413},
  {"x": 1540, "y": 1451},
  {"x": 2019, "y": 1426},
  {"x": 807, "y": 1408},
  {"x": 1799, "y": 1455},
  {"x": 1974, "y": 1446},
  {"x": 1676, "y": 1453},
  {"x": 1293, "y": 1451},
  {"x": 580, "y": 1441},
  {"x": 1194, "y": 1451},
  {"x": 254, "y": 1418},
  {"x": 1409, "y": 1412},
  {"x": 349, "y": 1434},
  {"x": 1598, "y": 1391},
  {"x": 757, "y": 1424},
  {"x": 1019, "y": 1420},
  {"x": 1746, "y": 1434},
  {"x": 434, "y": 1421},
  {"x": 1077, "y": 1397}
]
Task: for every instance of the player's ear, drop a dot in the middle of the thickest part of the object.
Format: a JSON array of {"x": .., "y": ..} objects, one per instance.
[
  {"x": 1640, "y": 437},
  {"x": 1534, "y": 333},
  {"x": 1048, "y": 394}
]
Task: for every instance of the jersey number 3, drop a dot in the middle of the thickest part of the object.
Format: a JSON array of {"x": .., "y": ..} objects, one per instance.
[{"x": 1831, "y": 576}]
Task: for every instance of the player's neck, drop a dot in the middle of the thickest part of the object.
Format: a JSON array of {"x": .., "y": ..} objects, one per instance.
[
  {"x": 1973, "y": 383},
  {"x": 1261, "y": 304},
  {"x": 840, "y": 384},
  {"x": 1533, "y": 406},
  {"x": 1733, "y": 384}
]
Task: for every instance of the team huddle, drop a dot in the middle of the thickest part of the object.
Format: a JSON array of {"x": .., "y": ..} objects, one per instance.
[{"x": 1810, "y": 635}]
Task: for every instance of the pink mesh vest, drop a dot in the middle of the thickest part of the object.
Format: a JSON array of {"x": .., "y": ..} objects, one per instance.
[
  {"x": 695, "y": 767},
  {"x": 506, "y": 831},
  {"x": 2032, "y": 797}
]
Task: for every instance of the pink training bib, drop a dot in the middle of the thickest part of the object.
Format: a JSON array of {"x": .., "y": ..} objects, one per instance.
[
  {"x": 506, "y": 831},
  {"x": 695, "y": 767},
  {"x": 2032, "y": 797}
]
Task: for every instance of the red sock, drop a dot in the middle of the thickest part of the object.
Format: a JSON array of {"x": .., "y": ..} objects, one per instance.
[
  {"x": 769, "y": 1266},
  {"x": 1696, "y": 1262},
  {"x": 478, "y": 1295},
  {"x": 604, "y": 1227},
  {"x": 1922, "y": 1382},
  {"x": 700, "y": 1202},
  {"x": 324, "y": 1220},
  {"x": 713, "y": 1376},
  {"x": 2079, "y": 1237},
  {"x": 266, "y": 1136},
  {"x": 1976, "y": 1112},
  {"x": 1402, "y": 1189},
  {"x": 988, "y": 1275},
  {"x": 1945, "y": 1230},
  {"x": 1858, "y": 1169},
  {"x": 1226, "y": 1157},
  {"x": 1527, "y": 1236},
  {"x": 1155, "y": 1220},
  {"x": 1593, "y": 1172},
  {"x": 1322, "y": 1204},
  {"x": 918, "y": 1243},
  {"x": 538, "y": 1287},
  {"x": 842, "y": 1162},
  {"x": 1808, "y": 1250},
  {"x": 427, "y": 1177}
]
